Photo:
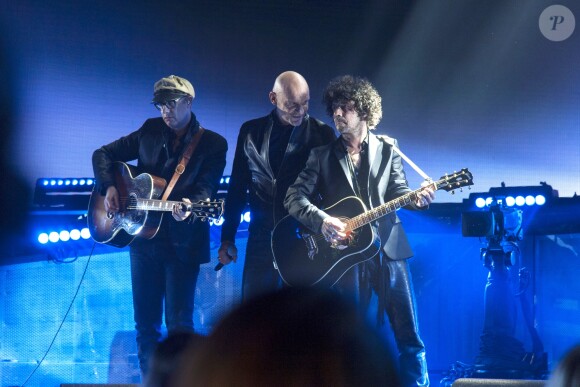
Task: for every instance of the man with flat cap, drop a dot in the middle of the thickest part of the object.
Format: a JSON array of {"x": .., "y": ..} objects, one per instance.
[
  {"x": 270, "y": 153},
  {"x": 164, "y": 269}
]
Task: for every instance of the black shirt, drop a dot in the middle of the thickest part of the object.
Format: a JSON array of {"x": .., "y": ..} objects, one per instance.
[{"x": 279, "y": 138}]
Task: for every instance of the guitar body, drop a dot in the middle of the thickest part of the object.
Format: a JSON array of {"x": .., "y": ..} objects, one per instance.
[
  {"x": 119, "y": 229},
  {"x": 305, "y": 258}
]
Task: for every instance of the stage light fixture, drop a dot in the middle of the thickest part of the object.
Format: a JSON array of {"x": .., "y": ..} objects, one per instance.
[
  {"x": 75, "y": 234},
  {"x": 63, "y": 193},
  {"x": 62, "y": 235},
  {"x": 526, "y": 196},
  {"x": 224, "y": 183}
]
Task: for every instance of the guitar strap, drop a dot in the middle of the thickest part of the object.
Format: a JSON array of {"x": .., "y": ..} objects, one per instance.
[
  {"x": 183, "y": 162},
  {"x": 391, "y": 142}
]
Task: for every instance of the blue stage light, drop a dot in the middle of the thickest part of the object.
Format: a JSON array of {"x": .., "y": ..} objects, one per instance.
[
  {"x": 53, "y": 182},
  {"x": 75, "y": 234},
  {"x": 216, "y": 222},
  {"x": 480, "y": 202},
  {"x": 247, "y": 217},
  {"x": 75, "y": 182},
  {"x": 515, "y": 196},
  {"x": 43, "y": 238},
  {"x": 85, "y": 233},
  {"x": 53, "y": 237},
  {"x": 64, "y": 235}
]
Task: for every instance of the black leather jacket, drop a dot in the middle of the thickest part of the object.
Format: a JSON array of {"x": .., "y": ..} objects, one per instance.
[{"x": 253, "y": 181}]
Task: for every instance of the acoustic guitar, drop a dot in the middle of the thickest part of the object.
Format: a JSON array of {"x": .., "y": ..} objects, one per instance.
[
  {"x": 141, "y": 211},
  {"x": 303, "y": 257}
]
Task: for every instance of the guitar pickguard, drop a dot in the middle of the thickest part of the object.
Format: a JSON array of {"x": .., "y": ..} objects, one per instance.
[
  {"x": 129, "y": 219},
  {"x": 315, "y": 243}
]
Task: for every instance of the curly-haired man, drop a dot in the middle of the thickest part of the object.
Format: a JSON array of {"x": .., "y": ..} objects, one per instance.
[{"x": 361, "y": 164}]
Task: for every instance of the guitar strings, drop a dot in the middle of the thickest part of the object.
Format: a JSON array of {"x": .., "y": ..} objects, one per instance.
[{"x": 201, "y": 208}]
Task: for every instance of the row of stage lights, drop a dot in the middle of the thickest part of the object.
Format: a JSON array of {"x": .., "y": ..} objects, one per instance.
[
  {"x": 511, "y": 201},
  {"x": 67, "y": 182},
  {"x": 515, "y": 197}
]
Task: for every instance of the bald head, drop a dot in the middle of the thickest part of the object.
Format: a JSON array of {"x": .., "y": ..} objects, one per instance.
[{"x": 290, "y": 95}]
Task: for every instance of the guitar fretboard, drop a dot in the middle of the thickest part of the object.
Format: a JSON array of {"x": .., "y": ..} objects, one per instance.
[
  {"x": 384, "y": 209},
  {"x": 156, "y": 205}
]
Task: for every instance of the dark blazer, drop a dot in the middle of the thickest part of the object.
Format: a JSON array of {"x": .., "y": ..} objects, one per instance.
[
  {"x": 326, "y": 179},
  {"x": 253, "y": 181},
  {"x": 199, "y": 181}
]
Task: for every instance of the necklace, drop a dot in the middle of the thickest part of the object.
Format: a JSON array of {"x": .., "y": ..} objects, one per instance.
[{"x": 354, "y": 158}]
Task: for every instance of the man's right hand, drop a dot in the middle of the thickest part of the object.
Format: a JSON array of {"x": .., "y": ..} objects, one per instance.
[
  {"x": 227, "y": 253},
  {"x": 112, "y": 199},
  {"x": 333, "y": 229}
]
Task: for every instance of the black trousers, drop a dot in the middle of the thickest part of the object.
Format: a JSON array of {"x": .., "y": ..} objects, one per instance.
[
  {"x": 259, "y": 276},
  {"x": 391, "y": 282},
  {"x": 162, "y": 284}
]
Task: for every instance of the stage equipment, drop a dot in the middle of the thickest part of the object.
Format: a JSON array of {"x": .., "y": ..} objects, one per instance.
[
  {"x": 63, "y": 194},
  {"x": 501, "y": 355},
  {"x": 522, "y": 197}
]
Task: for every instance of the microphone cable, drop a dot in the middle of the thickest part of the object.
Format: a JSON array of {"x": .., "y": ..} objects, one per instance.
[{"x": 64, "y": 318}]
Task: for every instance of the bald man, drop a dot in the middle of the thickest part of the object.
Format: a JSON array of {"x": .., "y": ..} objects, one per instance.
[{"x": 270, "y": 153}]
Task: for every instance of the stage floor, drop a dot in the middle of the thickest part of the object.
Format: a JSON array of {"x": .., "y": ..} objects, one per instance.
[{"x": 71, "y": 320}]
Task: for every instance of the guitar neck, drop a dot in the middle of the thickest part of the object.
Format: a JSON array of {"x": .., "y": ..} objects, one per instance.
[
  {"x": 159, "y": 205},
  {"x": 384, "y": 209}
]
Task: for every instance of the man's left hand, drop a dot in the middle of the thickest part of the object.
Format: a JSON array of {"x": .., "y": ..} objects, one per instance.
[
  {"x": 179, "y": 212},
  {"x": 425, "y": 197}
]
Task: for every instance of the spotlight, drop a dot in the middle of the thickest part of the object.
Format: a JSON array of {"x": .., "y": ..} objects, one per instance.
[
  {"x": 510, "y": 201},
  {"x": 75, "y": 234},
  {"x": 224, "y": 183},
  {"x": 514, "y": 196},
  {"x": 63, "y": 193},
  {"x": 43, "y": 238}
]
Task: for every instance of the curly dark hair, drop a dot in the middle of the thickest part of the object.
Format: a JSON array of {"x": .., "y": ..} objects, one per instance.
[{"x": 367, "y": 101}]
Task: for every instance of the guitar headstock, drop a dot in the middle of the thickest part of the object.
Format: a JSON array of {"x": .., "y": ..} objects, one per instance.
[
  {"x": 204, "y": 209},
  {"x": 456, "y": 180}
]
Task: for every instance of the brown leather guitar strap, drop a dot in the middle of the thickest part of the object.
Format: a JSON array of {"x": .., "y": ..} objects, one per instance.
[{"x": 183, "y": 162}]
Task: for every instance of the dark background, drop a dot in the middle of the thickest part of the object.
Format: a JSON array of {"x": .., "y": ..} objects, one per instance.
[{"x": 464, "y": 83}]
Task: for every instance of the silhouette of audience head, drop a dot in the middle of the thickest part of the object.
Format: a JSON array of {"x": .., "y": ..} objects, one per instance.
[
  {"x": 167, "y": 356},
  {"x": 293, "y": 337},
  {"x": 567, "y": 372}
]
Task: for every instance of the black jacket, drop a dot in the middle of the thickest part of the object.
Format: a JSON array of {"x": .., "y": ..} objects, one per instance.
[
  {"x": 200, "y": 180},
  {"x": 327, "y": 179},
  {"x": 253, "y": 181}
]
